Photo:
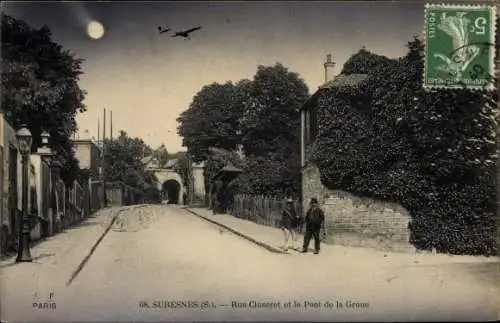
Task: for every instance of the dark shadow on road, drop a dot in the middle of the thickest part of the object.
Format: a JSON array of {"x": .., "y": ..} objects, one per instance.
[
  {"x": 83, "y": 224},
  {"x": 11, "y": 254},
  {"x": 41, "y": 256}
]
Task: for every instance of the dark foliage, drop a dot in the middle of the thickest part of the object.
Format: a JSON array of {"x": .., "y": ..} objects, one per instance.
[
  {"x": 271, "y": 136},
  {"x": 272, "y": 114},
  {"x": 263, "y": 116},
  {"x": 161, "y": 155},
  {"x": 432, "y": 151},
  {"x": 181, "y": 166},
  {"x": 212, "y": 120},
  {"x": 123, "y": 158},
  {"x": 40, "y": 88},
  {"x": 363, "y": 62}
]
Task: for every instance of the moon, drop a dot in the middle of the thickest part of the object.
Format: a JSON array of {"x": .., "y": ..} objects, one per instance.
[{"x": 95, "y": 29}]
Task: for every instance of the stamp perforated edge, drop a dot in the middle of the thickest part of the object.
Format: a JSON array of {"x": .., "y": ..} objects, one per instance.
[{"x": 493, "y": 12}]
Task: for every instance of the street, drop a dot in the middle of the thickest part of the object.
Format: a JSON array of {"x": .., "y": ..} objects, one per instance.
[{"x": 161, "y": 263}]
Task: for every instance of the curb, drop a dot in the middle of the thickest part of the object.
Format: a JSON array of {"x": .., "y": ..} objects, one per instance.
[
  {"x": 96, "y": 244},
  {"x": 247, "y": 237}
]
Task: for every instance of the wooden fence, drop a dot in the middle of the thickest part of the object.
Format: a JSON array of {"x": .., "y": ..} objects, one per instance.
[
  {"x": 118, "y": 193},
  {"x": 59, "y": 207},
  {"x": 95, "y": 195},
  {"x": 76, "y": 197},
  {"x": 261, "y": 209}
]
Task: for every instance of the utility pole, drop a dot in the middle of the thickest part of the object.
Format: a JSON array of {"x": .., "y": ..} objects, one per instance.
[
  {"x": 98, "y": 132},
  {"x": 190, "y": 191},
  {"x": 111, "y": 124},
  {"x": 105, "y": 202}
]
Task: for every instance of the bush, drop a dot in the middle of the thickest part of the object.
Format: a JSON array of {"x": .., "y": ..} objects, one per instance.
[
  {"x": 433, "y": 152},
  {"x": 269, "y": 176}
]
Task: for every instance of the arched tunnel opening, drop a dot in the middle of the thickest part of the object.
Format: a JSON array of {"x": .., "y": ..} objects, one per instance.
[{"x": 171, "y": 190}]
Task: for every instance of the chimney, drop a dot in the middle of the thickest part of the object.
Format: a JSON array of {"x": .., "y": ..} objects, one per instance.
[{"x": 329, "y": 65}]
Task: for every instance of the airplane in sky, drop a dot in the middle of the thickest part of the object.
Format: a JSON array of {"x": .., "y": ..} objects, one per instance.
[{"x": 185, "y": 33}]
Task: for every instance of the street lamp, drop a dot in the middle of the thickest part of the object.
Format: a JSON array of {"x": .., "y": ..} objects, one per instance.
[
  {"x": 45, "y": 139},
  {"x": 24, "y": 142},
  {"x": 45, "y": 150}
]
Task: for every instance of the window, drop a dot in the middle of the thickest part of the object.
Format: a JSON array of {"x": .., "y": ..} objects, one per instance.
[
  {"x": 313, "y": 124},
  {"x": 306, "y": 127}
]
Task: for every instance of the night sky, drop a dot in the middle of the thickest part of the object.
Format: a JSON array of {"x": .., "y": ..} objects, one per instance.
[{"x": 148, "y": 79}]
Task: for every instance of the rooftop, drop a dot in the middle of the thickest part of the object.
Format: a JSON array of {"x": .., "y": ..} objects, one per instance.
[
  {"x": 230, "y": 168},
  {"x": 343, "y": 80},
  {"x": 339, "y": 81}
]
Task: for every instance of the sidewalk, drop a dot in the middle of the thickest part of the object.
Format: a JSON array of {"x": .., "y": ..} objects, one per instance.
[
  {"x": 272, "y": 238},
  {"x": 267, "y": 237},
  {"x": 57, "y": 257}
]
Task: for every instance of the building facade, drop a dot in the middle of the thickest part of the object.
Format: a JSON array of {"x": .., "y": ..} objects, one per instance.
[
  {"x": 11, "y": 188},
  {"x": 10, "y": 201},
  {"x": 89, "y": 156},
  {"x": 199, "y": 182}
]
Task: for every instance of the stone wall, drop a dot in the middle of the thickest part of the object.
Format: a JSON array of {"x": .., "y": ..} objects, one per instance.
[
  {"x": 199, "y": 183},
  {"x": 312, "y": 187},
  {"x": 115, "y": 193},
  {"x": 358, "y": 221},
  {"x": 8, "y": 141}
]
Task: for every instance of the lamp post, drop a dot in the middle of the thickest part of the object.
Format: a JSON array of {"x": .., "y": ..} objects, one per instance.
[
  {"x": 46, "y": 154},
  {"x": 24, "y": 142}
]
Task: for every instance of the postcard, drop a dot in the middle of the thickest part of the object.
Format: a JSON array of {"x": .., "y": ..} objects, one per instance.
[{"x": 249, "y": 161}]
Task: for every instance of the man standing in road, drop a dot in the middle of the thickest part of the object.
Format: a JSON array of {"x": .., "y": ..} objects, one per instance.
[{"x": 314, "y": 221}]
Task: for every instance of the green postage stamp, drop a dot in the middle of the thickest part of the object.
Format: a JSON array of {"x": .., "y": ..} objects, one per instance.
[{"x": 459, "y": 46}]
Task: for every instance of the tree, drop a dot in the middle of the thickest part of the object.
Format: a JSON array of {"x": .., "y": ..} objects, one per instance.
[
  {"x": 161, "y": 155},
  {"x": 363, "y": 62},
  {"x": 182, "y": 166},
  {"x": 40, "y": 87},
  {"x": 271, "y": 121},
  {"x": 210, "y": 121},
  {"x": 261, "y": 114},
  {"x": 270, "y": 128},
  {"x": 264, "y": 176},
  {"x": 123, "y": 157}
]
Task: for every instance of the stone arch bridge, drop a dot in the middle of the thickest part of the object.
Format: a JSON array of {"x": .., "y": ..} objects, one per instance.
[{"x": 171, "y": 184}]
